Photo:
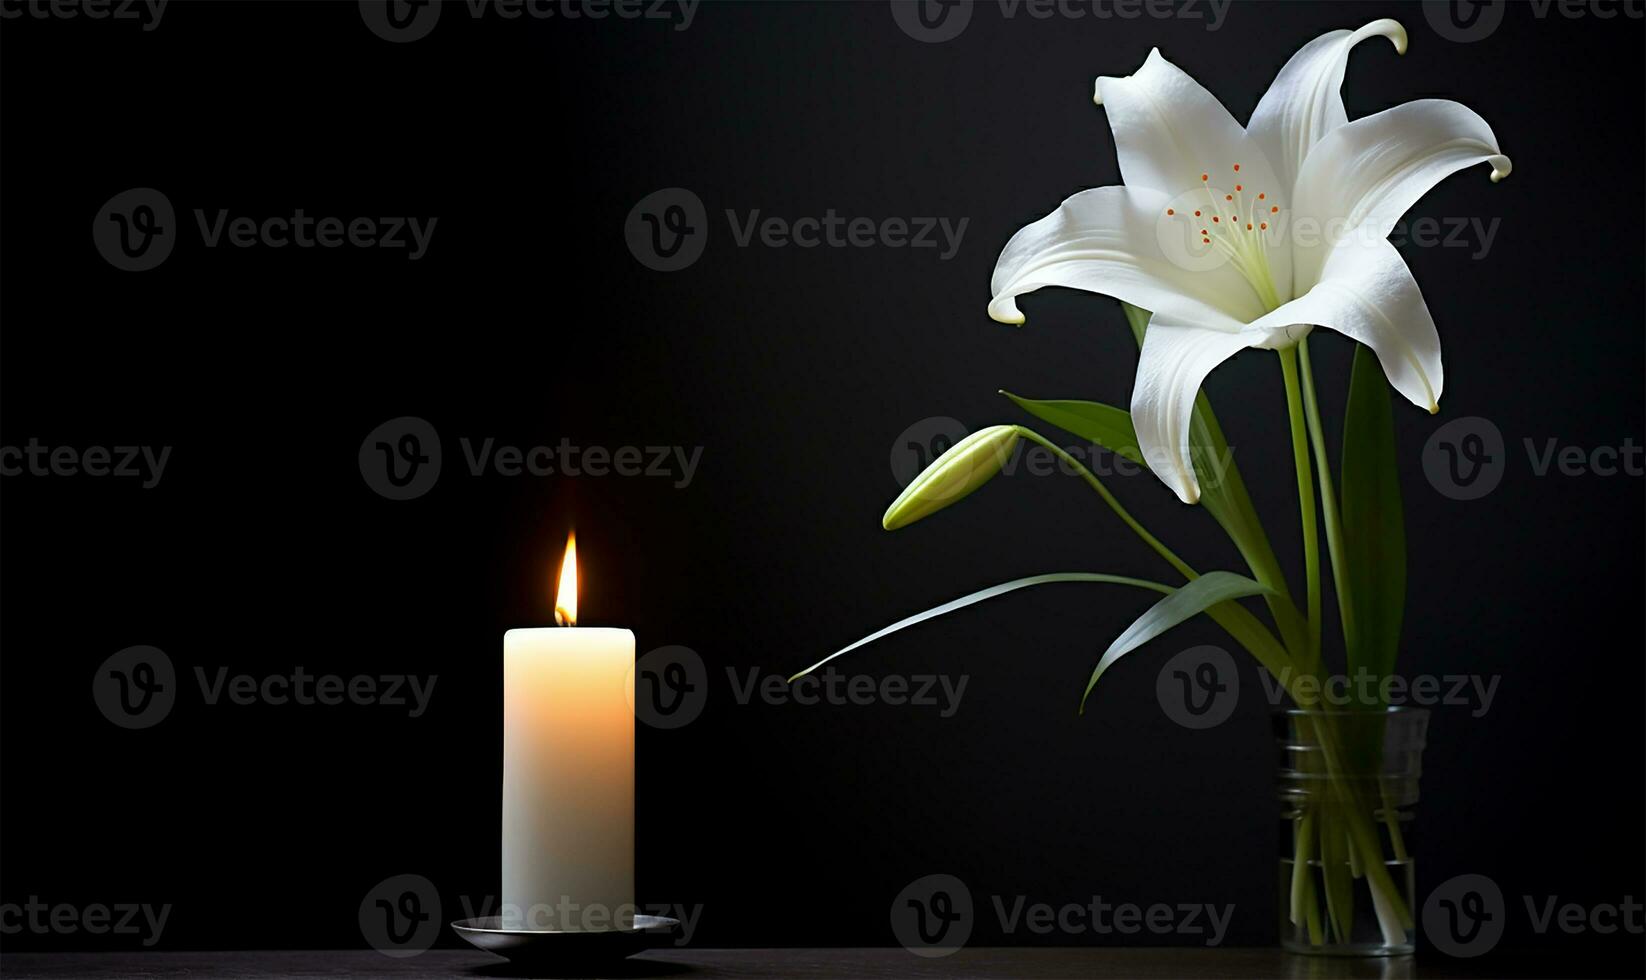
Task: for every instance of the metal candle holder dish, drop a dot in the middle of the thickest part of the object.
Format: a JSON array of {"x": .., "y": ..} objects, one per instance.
[{"x": 563, "y": 947}]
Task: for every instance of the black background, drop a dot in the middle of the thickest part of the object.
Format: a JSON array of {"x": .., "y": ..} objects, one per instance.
[{"x": 795, "y": 370}]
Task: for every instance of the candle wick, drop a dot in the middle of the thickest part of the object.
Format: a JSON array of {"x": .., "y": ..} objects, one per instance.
[{"x": 562, "y": 617}]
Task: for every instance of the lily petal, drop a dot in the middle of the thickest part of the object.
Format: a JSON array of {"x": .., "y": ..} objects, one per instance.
[
  {"x": 1362, "y": 177},
  {"x": 1304, "y": 103},
  {"x": 1113, "y": 240},
  {"x": 1366, "y": 292},
  {"x": 1168, "y": 130},
  {"x": 1173, "y": 136},
  {"x": 1175, "y": 359}
]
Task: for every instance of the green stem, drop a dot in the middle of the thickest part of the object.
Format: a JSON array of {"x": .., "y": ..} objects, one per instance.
[
  {"x": 1392, "y": 820},
  {"x": 1328, "y": 498},
  {"x": 1331, "y": 874},
  {"x": 1303, "y": 846},
  {"x": 1393, "y": 913},
  {"x": 1233, "y": 511},
  {"x": 1114, "y": 505},
  {"x": 1305, "y": 496},
  {"x": 1311, "y": 915},
  {"x": 1335, "y": 546},
  {"x": 1246, "y": 629}
]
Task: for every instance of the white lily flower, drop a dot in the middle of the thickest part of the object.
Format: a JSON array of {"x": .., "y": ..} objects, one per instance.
[{"x": 1249, "y": 237}]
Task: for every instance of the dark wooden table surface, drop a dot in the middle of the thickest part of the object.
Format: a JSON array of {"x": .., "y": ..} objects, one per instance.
[{"x": 802, "y": 964}]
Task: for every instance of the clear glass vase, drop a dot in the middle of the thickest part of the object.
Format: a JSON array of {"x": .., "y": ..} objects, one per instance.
[{"x": 1348, "y": 785}]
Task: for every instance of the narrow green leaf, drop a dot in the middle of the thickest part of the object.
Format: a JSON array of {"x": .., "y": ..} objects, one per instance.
[
  {"x": 1196, "y": 597},
  {"x": 1374, "y": 525},
  {"x": 1095, "y": 422},
  {"x": 988, "y": 593}
]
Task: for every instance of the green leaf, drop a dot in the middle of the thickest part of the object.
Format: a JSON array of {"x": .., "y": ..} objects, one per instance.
[
  {"x": 1374, "y": 525},
  {"x": 1196, "y": 597},
  {"x": 1095, "y": 422},
  {"x": 988, "y": 593},
  {"x": 1138, "y": 319}
]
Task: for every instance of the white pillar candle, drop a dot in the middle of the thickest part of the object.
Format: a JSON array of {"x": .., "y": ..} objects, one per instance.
[{"x": 568, "y": 775}]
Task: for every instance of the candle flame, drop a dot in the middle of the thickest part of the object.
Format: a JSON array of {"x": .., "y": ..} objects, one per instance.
[{"x": 565, "y": 601}]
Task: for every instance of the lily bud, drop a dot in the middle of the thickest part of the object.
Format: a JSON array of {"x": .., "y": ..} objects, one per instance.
[{"x": 967, "y": 465}]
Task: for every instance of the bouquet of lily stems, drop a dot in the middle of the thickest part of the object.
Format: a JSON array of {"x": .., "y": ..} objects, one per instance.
[{"x": 1225, "y": 238}]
